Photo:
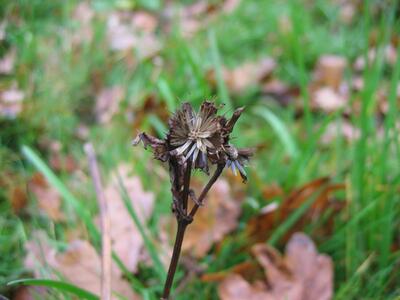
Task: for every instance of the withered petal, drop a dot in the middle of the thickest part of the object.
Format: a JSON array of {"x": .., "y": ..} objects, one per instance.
[
  {"x": 158, "y": 146},
  {"x": 228, "y": 127}
]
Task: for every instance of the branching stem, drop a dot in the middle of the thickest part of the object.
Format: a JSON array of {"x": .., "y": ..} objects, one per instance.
[{"x": 183, "y": 221}]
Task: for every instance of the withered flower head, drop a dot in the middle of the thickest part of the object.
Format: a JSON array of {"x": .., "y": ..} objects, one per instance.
[
  {"x": 195, "y": 136},
  {"x": 237, "y": 158},
  {"x": 199, "y": 138}
]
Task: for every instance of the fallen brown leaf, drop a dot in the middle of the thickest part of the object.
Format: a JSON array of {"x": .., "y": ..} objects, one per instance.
[
  {"x": 246, "y": 75},
  {"x": 79, "y": 264},
  {"x": 18, "y": 198},
  {"x": 329, "y": 71},
  {"x": 302, "y": 274},
  {"x": 197, "y": 16},
  {"x": 107, "y": 103},
  {"x": 342, "y": 129},
  {"x": 29, "y": 293},
  {"x": 217, "y": 218},
  {"x": 261, "y": 226},
  {"x": 48, "y": 198},
  {"x": 282, "y": 92},
  {"x": 63, "y": 163},
  {"x": 389, "y": 52},
  {"x": 126, "y": 239},
  {"x": 327, "y": 100},
  {"x": 128, "y": 31},
  {"x": 235, "y": 287}
]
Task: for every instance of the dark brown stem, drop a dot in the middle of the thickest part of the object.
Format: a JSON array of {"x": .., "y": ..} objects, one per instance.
[
  {"x": 180, "y": 233},
  {"x": 183, "y": 221},
  {"x": 204, "y": 192},
  {"x": 186, "y": 184}
]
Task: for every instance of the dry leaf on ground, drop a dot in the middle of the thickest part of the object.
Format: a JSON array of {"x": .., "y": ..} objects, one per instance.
[
  {"x": 302, "y": 274},
  {"x": 107, "y": 103},
  {"x": 197, "y": 16},
  {"x": 327, "y": 100},
  {"x": 125, "y": 236},
  {"x": 128, "y": 31},
  {"x": 47, "y": 197},
  {"x": 214, "y": 220},
  {"x": 79, "y": 264},
  {"x": 389, "y": 52},
  {"x": 246, "y": 75},
  {"x": 329, "y": 70},
  {"x": 343, "y": 129},
  {"x": 18, "y": 198},
  {"x": 261, "y": 226}
]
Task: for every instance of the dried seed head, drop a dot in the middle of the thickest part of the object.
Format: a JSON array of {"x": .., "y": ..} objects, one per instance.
[
  {"x": 199, "y": 137},
  {"x": 195, "y": 136}
]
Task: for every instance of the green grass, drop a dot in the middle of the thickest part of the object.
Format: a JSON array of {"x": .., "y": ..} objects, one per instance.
[{"x": 60, "y": 83}]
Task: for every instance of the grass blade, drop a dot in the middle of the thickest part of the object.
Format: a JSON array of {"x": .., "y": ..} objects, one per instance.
[
  {"x": 64, "y": 192},
  {"x": 149, "y": 245},
  {"x": 58, "y": 285},
  {"x": 80, "y": 209},
  {"x": 280, "y": 130},
  {"x": 166, "y": 93}
]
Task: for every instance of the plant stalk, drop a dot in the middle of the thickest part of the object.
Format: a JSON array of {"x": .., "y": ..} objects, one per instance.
[
  {"x": 180, "y": 233},
  {"x": 204, "y": 192},
  {"x": 183, "y": 221}
]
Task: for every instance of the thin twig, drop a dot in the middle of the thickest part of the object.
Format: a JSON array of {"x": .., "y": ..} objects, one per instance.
[
  {"x": 204, "y": 192},
  {"x": 105, "y": 224}
]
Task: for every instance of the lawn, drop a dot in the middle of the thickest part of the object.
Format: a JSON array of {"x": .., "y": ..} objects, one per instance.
[{"x": 319, "y": 81}]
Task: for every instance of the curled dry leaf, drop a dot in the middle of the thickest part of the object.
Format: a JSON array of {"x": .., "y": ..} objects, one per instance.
[
  {"x": 107, "y": 103},
  {"x": 79, "y": 264},
  {"x": 48, "y": 198},
  {"x": 125, "y": 236},
  {"x": 214, "y": 220},
  {"x": 262, "y": 226},
  {"x": 302, "y": 274}
]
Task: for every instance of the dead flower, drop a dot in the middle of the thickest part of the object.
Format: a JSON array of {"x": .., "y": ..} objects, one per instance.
[
  {"x": 199, "y": 138},
  {"x": 194, "y": 140}
]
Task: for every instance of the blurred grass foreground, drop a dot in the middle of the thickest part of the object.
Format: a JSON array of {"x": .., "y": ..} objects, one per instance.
[{"x": 319, "y": 216}]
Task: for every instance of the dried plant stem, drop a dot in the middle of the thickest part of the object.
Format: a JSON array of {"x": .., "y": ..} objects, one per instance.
[
  {"x": 183, "y": 222},
  {"x": 186, "y": 185},
  {"x": 105, "y": 224},
  {"x": 204, "y": 192},
  {"x": 180, "y": 233}
]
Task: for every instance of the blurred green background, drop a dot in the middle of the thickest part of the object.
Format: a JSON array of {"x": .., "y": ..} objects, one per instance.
[{"x": 320, "y": 82}]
